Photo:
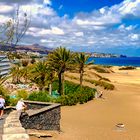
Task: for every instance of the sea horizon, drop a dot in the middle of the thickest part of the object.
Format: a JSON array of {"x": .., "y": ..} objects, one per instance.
[{"x": 116, "y": 61}]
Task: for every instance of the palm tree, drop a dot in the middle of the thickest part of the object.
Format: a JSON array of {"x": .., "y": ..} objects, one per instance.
[
  {"x": 3, "y": 78},
  {"x": 24, "y": 71},
  {"x": 15, "y": 73},
  {"x": 38, "y": 74},
  {"x": 60, "y": 59},
  {"x": 81, "y": 61}
]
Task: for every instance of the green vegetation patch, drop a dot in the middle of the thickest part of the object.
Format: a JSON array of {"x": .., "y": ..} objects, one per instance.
[
  {"x": 42, "y": 96},
  {"x": 127, "y": 68},
  {"x": 104, "y": 84},
  {"x": 100, "y": 69},
  {"x": 73, "y": 94},
  {"x": 71, "y": 77}
]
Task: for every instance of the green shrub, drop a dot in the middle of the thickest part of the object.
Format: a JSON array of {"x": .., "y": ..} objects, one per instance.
[
  {"x": 39, "y": 96},
  {"x": 127, "y": 68},
  {"x": 22, "y": 94},
  {"x": 100, "y": 69},
  {"x": 3, "y": 91},
  {"x": 13, "y": 101},
  {"x": 71, "y": 77},
  {"x": 106, "y": 66},
  {"x": 5, "y": 95},
  {"x": 105, "y": 79},
  {"x": 73, "y": 94},
  {"x": 106, "y": 85}
]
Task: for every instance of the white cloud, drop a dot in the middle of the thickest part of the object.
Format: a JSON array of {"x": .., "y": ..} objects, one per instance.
[
  {"x": 33, "y": 29},
  {"x": 57, "y": 31},
  {"x": 53, "y": 30},
  {"x": 48, "y": 2},
  {"x": 109, "y": 16},
  {"x": 99, "y": 29},
  {"x": 102, "y": 10},
  {"x": 41, "y": 31},
  {"x": 36, "y": 9},
  {"x": 6, "y": 8},
  {"x": 122, "y": 27},
  {"x": 134, "y": 37},
  {"x": 43, "y": 40},
  {"x": 130, "y": 28},
  {"x": 79, "y": 34},
  {"x": 130, "y": 7},
  {"x": 91, "y": 42},
  {"x": 98, "y": 21}
]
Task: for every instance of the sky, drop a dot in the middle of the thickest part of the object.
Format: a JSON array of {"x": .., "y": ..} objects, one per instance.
[{"x": 107, "y": 26}]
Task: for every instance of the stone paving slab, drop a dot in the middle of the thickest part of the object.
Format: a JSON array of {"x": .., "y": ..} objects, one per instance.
[
  {"x": 14, "y": 130},
  {"x": 12, "y": 125},
  {"x": 11, "y": 121},
  {"x": 15, "y": 137}
]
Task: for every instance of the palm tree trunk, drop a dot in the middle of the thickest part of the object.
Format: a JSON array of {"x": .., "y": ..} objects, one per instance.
[
  {"x": 60, "y": 83},
  {"x": 50, "y": 88},
  {"x": 81, "y": 78},
  {"x": 63, "y": 84},
  {"x": 26, "y": 78},
  {"x": 41, "y": 88}
]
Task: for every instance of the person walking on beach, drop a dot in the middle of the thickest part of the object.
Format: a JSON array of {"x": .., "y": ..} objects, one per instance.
[{"x": 2, "y": 103}]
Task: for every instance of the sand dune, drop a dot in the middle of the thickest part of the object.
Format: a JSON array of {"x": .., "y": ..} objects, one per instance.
[{"x": 96, "y": 119}]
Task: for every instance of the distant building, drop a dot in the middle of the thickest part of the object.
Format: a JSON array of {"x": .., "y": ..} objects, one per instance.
[
  {"x": 33, "y": 53},
  {"x": 4, "y": 65},
  {"x": 103, "y": 55}
]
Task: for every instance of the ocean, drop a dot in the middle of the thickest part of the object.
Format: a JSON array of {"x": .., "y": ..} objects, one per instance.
[{"x": 120, "y": 61}]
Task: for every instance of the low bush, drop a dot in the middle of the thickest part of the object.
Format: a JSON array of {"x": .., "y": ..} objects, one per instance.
[
  {"x": 15, "y": 98},
  {"x": 81, "y": 96},
  {"x": 5, "y": 95},
  {"x": 100, "y": 69},
  {"x": 22, "y": 94},
  {"x": 106, "y": 66},
  {"x": 13, "y": 101},
  {"x": 42, "y": 96},
  {"x": 104, "y": 84},
  {"x": 105, "y": 79},
  {"x": 127, "y": 68},
  {"x": 71, "y": 77},
  {"x": 73, "y": 94}
]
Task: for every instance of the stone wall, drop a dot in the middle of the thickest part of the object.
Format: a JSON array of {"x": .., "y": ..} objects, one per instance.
[
  {"x": 9, "y": 109},
  {"x": 36, "y": 105},
  {"x": 41, "y": 116}
]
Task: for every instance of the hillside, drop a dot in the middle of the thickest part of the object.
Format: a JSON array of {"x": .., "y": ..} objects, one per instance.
[{"x": 33, "y": 48}]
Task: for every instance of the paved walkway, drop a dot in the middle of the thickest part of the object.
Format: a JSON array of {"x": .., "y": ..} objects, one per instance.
[{"x": 1, "y": 125}]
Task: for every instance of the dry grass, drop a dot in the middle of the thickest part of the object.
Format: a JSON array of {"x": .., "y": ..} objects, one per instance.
[{"x": 91, "y": 77}]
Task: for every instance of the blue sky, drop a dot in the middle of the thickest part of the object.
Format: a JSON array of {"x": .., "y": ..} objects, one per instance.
[
  {"x": 72, "y": 8},
  {"x": 109, "y": 26}
]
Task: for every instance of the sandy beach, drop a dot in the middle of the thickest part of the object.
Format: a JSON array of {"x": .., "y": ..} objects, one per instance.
[{"x": 97, "y": 119}]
